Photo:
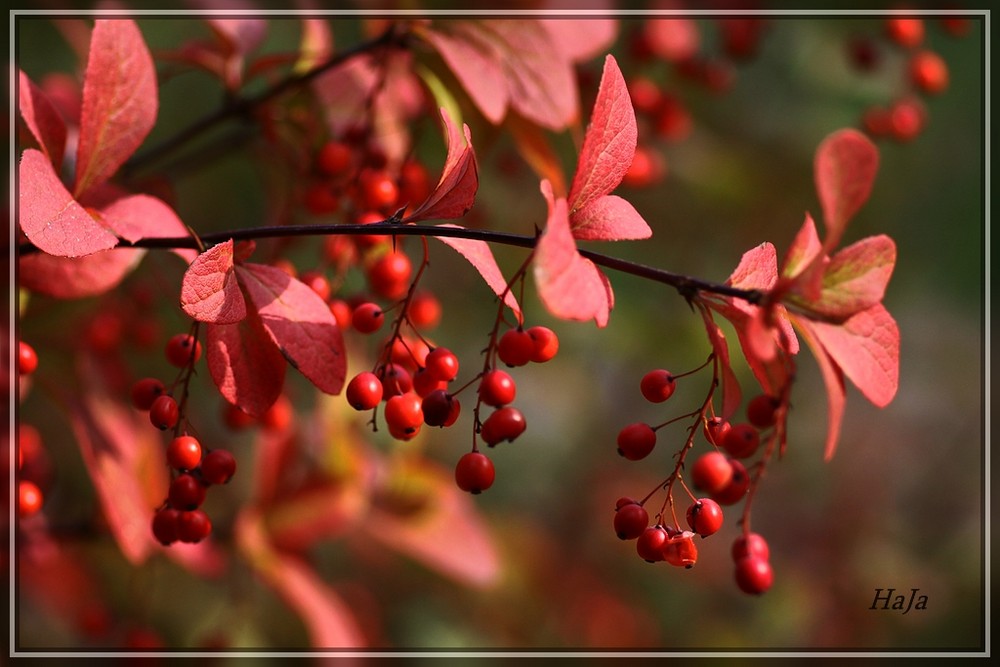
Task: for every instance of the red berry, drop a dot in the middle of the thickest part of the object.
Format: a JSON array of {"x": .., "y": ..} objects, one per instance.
[
  {"x": 474, "y": 472},
  {"x": 442, "y": 364},
  {"x": 646, "y": 168},
  {"x": 497, "y": 388},
  {"x": 389, "y": 275},
  {"x": 145, "y": 391},
  {"x": 754, "y": 575},
  {"x": 368, "y": 317},
  {"x": 631, "y": 520},
  {"x": 636, "y": 441},
  {"x": 515, "y": 347},
  {"x": 164, "y": 525},
  {"x": 186, "y": 492},
  {"x": 737, "y": 487},
  {"x": 236, "y": 418},
  {"x": 906, "y": 119},
  {"x": 644, "y": 93},
  {"x": 279, "y": 416},
  {"x": 705, "y": 516},
  {"x": 680, "y": 550},
  {"x": 750, "y": 544},
  {"x": 29, "y": 498},
  {"x": 657, "y": 386},
  {"x": 318, "y": 283},
  {"x": 414, "y": 183},
  {"x": 907, "y": 32},
  {"x": 218, "y": 466},
  {"x": 335, "y": 158},
  {"x": 193, "y": 526},
  {"x": 320, "y": 199},
  {"x": 184, "y": 453},
  {"x": 395, "y": 380},
  {"x": 164, "y": 413},
  {"x": 378, "y": 191},
  {"x": 341, "y": 312},
  {"x": 183, "y": 350},
  {"x": 650, "y": 542},
  {"x": 546, "y": 344},
  {"x": 929, "y": 72},
  {"x": 440, "y": 408},
  {"x": 715, "y": 430},
  {"x": 712, "y": 472},
  {"x": 404, "y": 413},
  {"x": 741, "y": 441},
  {"x": 27, "y": 359},
  {"x": 505, "y": 423},
  {"x": 761, "y": 411},
  {"x": 424, "y": 311},
  {"x": 364, "y": 391},
  {"x": 424, "y": 383}
]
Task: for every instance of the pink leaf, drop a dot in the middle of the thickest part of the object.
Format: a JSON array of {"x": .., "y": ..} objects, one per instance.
[
  {"x": 481, "y": 257},
  {"x": 833, "y": 378},
  {"x": 609, "y": 144},
  {"x": 609, "y": 218},
  {"x": 731, "y": 394},
  {"x": 570, "y": 286},
  {"x": 77, "y": 277},
  {"x": 456, "y": 189},
  {"x": 866, "y": 348},
  {"x": 135, "y": 217},
  {"x": 241, "y": 36},
  {"x": 299, "y": 322},
  {"x": 245, "y": 364},
  {"x": 445, "y": 532},
  {"x": 804, "y": 250},
  {"x": 857, "y": 276},
  {"x": 42, "y": 119},
  {"x": 758, "y": 269},
  {"x": 845, "y": 167},
  {"x": 119, "y": 101},
  {"x": 674, "y": 40},
  {"x": 328, "y": 619},
  {"x": 580, "y": 40},
  {"x": 209, "y": 291},
  {"x": 50, "y": 217}
]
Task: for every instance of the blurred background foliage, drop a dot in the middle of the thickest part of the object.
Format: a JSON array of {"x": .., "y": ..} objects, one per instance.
[{"x": 900, "y": 506}]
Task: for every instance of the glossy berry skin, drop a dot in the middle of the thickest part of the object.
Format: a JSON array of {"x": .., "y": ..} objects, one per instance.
[
  {"x": 636, "y": 441},
  {"x": 704, "y": 516},
  {"x": 367, "y": 318},
  {"x": 505, "y": 423},
  {"x": 650, "y": 542},
  {"x": 680, "y": 550},
  {"x": 335, "y": 158},
  {"x": 27, "y": 359},
  {"x": 741, "y": 441},
  {"x": 182, "y": 350},
  {"x": 184, "y": 453},
  {"x": 546, "y": 344},
  {"x": 378, "y": 191},
  {"x": 424, "y": 311},
  {"x": 928, "y": 72},
  {"x": 712, "y": 472},
  {"x": 737, "y": 488},
  {"x": 404, "y": 413},
  {"x": 145, "y": 391},
  {"x": 515, "y": 347},
  {"x": 193, "y": 526},
  {"x": 164, "y": 525},
  {"x": 907, "y": 32},
  {"x": 631, "y": 520},
  {"x": 317, "y": 282},
  {"x": 218, "y": 467},
  {"x": 754, "y": 575},
  {"x": 364, "y": 391},
  {"x": 164, "y": 413},
  {"x": 750, "y": 544},
  {"x": 29, "y": 498},
  {"x": 474, "y": 472},
  {"x": 389, "y": 275},
  {"x": 442, "y": 364},
  {"x": 497, "y": 388},
  {"x": 657, "y": 386},
  {"x": 440, "y": 408},
  {"x": 186, "y": 492},
  {"x": 761, "y": 411},
  {"x": 715, "y": 430},
  {"x": 395, "y": 380}
]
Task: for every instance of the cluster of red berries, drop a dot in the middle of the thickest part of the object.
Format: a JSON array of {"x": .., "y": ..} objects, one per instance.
[
  {"x": 719, "y": 475},
  {"x": 151, "y": 395},
  {"x": 32, "y": 461},
  {"x": 924, "y": 73}
]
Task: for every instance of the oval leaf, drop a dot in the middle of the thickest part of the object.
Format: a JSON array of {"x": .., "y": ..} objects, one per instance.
[
  {"x": 609, "y": 218},
  {"x": 77, "y": 277},
  {"x": 857, "y": 276},
  {"x": 845, "y": 167},
  {"x": 456, "y": 189},
  {"x": 50, "y": 217},
  {"x": 299, "y": 322},
  {"x": 209, "y": 291},
  {"x": 42, "y": 119},
  {"x": 245, "y": 364},
  {"x": 119, "y": 101},
  {"x": 481, "y": 257}
]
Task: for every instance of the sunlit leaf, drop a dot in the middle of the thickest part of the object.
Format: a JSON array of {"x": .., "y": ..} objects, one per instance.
[
  {"x": 479, "y": 254},
  {"x": 245, "y": 364},
  {"x": 845, "y": 167},
  {"x": 76, "y": 277},
  {"x": 42, "y": 119},
  {"x": 456, "y": 189},
  {"x": 209, "y": 291}
]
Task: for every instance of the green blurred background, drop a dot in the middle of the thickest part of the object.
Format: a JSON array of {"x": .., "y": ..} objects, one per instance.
[{"x": 900, "y": 506}]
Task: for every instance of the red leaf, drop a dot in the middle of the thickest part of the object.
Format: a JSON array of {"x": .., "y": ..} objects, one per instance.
[
  {"x": 50, "y": 217},
  {"x": 609, "y": 218},
  {"x": 609, "y": 144},
  {"x": 135, "y": 217},
  {"x": 299, "y": 322},
  {"x": 42, "y": 119},
  {"x": 209, "y": 291},
  {"x": 833, "y": 378},
  {"x": 475, "y": 63},
  {"x": 845, "y": 167},
  {"x": 328, "y": 619},
  {"x": 444, "y": 532},
  {"x": 866, "y": 348},
  {"x": 119, "y": 101},
  {"x": 77, "y": 277},
  {"x": 857, "y": 276},
  {"x": 731, "y": 394},
  {"x": 245, "y": 365},
  {"x": 481, "y": 257},
  {"x": 570, "y": 286},
  {"x": 581, "y": 39},
  {"x": 758, "y": 269},
  {"x": 456, "y": 189}
]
